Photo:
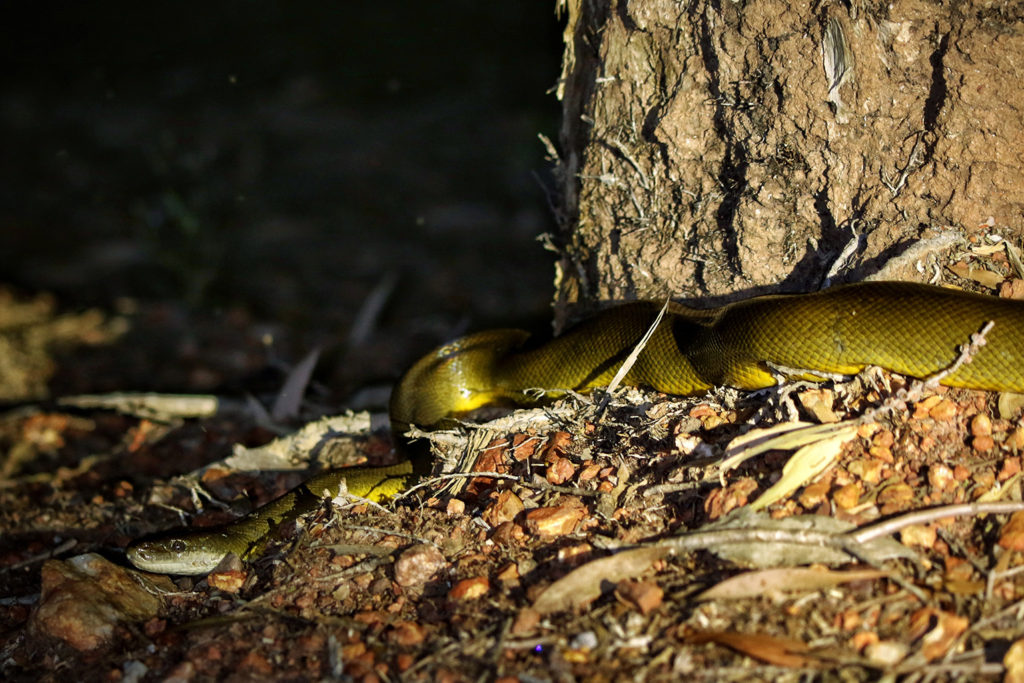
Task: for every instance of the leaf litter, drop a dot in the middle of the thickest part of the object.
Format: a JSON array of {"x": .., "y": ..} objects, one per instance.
[{"x": 633, "y": 545}]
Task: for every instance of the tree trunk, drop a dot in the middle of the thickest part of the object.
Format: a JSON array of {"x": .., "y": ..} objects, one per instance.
[{"x": 713, "y": 150}]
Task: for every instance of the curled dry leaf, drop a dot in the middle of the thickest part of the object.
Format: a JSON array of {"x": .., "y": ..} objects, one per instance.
[
  {"x": 808, "y": 462},
  {"x": 938, "y": 631},
  {"x": 1012, "y": 535},
  {"x": 782, "y": 436},
  {"x": 645, "y": 596}
]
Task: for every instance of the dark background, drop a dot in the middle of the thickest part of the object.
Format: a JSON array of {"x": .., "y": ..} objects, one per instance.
[{"x": 268, "y": 166}]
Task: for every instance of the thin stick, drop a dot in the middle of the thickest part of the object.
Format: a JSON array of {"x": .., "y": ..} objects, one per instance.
[
  {"x": 967, "y": 353},
  {"x": 627, "y": 364},
  {"x": 889, "y": 526}
]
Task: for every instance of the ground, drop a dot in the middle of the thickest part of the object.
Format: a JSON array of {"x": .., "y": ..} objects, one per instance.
[{"x": 514, "y": 574}]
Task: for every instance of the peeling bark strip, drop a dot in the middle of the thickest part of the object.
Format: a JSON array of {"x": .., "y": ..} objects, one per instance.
[{"x": 713, "y": 150}]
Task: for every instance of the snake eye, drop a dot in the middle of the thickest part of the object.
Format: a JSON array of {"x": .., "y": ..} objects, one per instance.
[{"x": 177, "y": 545}]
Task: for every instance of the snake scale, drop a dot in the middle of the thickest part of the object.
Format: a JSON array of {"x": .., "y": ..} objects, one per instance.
[{"x": 908, "y": 328}]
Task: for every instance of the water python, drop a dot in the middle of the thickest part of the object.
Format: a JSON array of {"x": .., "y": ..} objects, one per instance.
[{"x": 908, "y": 328}]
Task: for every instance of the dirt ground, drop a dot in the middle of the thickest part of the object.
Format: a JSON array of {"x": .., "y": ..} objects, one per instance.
[{"x": 567, "y": 560}]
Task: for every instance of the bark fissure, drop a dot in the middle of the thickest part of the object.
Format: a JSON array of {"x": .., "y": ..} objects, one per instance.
[{"x": 746, "y": 157}]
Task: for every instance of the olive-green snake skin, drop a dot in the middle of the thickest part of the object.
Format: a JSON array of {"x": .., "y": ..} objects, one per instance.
[{"x": 908, "y": 328}]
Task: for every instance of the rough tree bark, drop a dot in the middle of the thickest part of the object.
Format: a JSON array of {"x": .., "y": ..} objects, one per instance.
[{"x": 713, "y": 150}]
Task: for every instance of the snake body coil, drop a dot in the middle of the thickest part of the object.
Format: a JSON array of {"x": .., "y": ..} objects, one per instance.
[{"x": 908, "y": 328}]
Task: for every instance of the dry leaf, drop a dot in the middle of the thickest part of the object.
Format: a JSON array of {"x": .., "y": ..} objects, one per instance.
[
  {"x": 588, "y": 582},
  {"x": 807, "y": 463},
  {"x": 754, "y": 584},
  {"x": 982, "y": 276},
  {"x": 785, "y": 436},
  {"x": 1010, "y": 404},
  {"x": 757, "y": 441},
  {"x": 771, "y": 649},
  {"x": 944, "y": 628},
  {"x": 646, "y": 596}
]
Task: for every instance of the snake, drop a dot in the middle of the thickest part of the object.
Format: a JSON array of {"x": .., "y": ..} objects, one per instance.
[{"x": 908, "y": 328}]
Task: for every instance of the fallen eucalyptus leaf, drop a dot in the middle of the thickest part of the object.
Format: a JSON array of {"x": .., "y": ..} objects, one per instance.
[
  {"x": 589, "y": 581},
  {"x": 771, "y": 649},
  {"x": 769, "y": 581},
  {"x": 781, "y": 437},
  {"x": 807, "y": 463}
]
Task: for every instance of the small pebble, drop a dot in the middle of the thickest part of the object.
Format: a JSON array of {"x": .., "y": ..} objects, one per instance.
[
  {"x": 470, "y": 589},
  {"x": 943, "y": 411},
  {"x": 587, "y": 640},
  {"x": 886, "y": 653},
  {"x": 981, "y": 425},
  {"x": 418, "y": 564}
]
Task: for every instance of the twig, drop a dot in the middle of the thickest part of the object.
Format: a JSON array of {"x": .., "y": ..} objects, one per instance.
[
  {"x": 664, "y": 489},
  {"x": 917, "y": 387},
  {"x": 357, "y": 549},
  {"x": 45, "y": 555},
  {"x": 963, "y": 671},
  {"x": 996, "y": 575},
  {"x": 19, "y": 600},
  {"x": 984, "y": 622},
  {"x": 890, "y": 526},
  {"x": 157, "y": 407},
  {"x": 387, "y": 532},
  {"x": 621, "y": 149},
  {"x": 920, "y": 250},
  {"x": 840, "y": 261},
  {"x": 423, "y": 483},
  {"x": 896, "y": 187},
  {"x": 364, "y": 567},
  {"x": 967, "y": 353},
  {"x": 848, "y": 542},
  {"x": 343, "y": 499}
]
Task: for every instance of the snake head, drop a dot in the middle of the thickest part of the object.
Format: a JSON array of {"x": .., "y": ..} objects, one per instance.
[{"x": 177, "y": 553}]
